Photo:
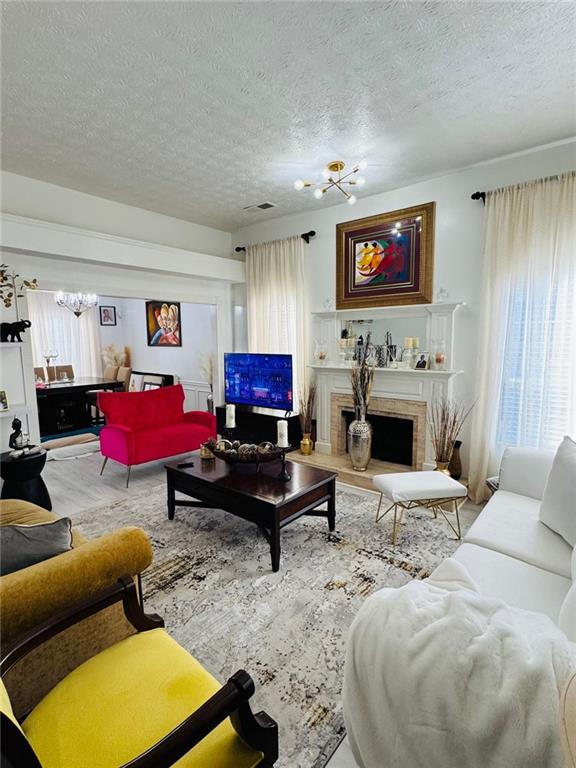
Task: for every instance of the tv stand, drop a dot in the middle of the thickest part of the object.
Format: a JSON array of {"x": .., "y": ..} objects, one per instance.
[{"x": 256, "y": 425}]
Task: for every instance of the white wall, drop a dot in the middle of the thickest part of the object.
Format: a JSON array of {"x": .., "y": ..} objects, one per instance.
[
  {"x": 35, "y": 199},
  {"x": 459, "y": 236},
  {"x": 198, "y": 331},
  {"x": 207, "y": 317}
]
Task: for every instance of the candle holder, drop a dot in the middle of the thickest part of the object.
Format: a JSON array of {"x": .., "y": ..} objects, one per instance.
[{"x": 284, "y": 474}]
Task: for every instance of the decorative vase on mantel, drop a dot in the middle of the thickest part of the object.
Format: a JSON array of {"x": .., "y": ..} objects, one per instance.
[
  {"x": 306, "y": 444},
  {"x": 360, "y": 441}
]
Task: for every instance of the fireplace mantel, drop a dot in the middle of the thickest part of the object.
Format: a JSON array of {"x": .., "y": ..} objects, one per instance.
[
  {"x": 410, "y": 372},
  {"x": 389, "y": 383}
]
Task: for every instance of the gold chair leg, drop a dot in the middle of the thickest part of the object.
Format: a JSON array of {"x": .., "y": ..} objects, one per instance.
[
  {"x": 380, "y": 516},
  {"x": 394, "y": 525},
  {"x": 379, "y": 505},
  {"x": 457, "y": 511}
]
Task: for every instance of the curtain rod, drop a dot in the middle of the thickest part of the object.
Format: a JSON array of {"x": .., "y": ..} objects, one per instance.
[
  {"x": 479, "y": 196},
  {"x": 305, "y": 236}
]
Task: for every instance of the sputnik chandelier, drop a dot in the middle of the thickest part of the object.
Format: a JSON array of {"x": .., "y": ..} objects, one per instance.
[
  {"x": 78, "y": 303},
  {"x": 335, "y": 177}
]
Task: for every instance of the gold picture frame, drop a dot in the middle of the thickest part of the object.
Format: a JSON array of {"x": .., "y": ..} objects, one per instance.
[{"x": 386, "y": 260}]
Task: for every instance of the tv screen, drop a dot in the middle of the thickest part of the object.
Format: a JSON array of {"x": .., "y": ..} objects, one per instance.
[{"x": 263, "y": 380}]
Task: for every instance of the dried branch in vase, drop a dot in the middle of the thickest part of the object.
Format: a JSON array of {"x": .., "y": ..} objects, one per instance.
[
  {"x": 445, "y": 419},
  {"x": 112, "y": 356},
  {"x": 307, "y": 401},
  {"x": 362, "y": 378},
  {"x": 206, "y": 365}
]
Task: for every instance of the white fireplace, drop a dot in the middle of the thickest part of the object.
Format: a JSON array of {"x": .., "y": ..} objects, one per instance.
[{"x": 404, "y": 394}]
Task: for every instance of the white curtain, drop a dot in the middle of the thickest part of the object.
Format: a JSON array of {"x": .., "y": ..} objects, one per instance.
[
  {"x": 277, "y": 305},
  {"x": 527, "y": 361},
  {"x": 76, "y": 339}
]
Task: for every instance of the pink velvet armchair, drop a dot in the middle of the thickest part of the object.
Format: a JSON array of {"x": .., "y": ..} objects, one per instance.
[{"x": 150, "y": 425}]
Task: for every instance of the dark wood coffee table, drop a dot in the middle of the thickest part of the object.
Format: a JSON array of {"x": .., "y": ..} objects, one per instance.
[{"x": 260, "y": 497}]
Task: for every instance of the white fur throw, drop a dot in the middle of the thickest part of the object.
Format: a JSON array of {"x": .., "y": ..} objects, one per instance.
[{"x": 438, "y": 676}]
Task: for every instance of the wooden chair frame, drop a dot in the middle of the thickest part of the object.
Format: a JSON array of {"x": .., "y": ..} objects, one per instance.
[{"x": 258, "y": 730}]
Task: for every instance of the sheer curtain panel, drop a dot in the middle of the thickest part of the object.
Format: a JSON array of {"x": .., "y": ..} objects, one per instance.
[
  {"x": 277, "y": 306},
  {"x": 77, "y": 339},
  {"x": 527, "y": 361}
]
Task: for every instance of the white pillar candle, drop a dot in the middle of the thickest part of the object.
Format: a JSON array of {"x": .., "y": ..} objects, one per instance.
[
  {"x": 230, "y": 416},
  {"x": 282, "y": 433}
]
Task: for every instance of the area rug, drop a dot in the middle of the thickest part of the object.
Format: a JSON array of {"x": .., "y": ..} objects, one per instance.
[{"x": 211, "y": 581}]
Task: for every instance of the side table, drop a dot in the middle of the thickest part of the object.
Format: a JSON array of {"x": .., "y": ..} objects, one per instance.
[{"x": 23, "y": 480}]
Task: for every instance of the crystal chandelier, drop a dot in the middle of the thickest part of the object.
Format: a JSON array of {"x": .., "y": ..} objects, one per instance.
[
  {"x": 336, "y": 178},
  {"x": 76, "y": 302}
]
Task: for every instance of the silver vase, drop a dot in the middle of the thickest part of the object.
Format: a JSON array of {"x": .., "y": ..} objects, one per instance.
[
  {"x": 210, "y": 403},
  {"x": 360, "y": 442}
]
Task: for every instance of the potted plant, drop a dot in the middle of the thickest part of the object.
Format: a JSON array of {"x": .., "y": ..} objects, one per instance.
[
  {"x": 446, "y": 419},
  {"x": 307, "y": 401},
  {"x": 360, "y": 430}
]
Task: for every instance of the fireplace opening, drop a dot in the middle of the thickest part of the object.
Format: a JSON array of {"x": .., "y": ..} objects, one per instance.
[{"x": 392, "y": 437}]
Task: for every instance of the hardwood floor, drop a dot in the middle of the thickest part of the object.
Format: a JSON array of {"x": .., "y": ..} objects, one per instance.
[{"x": 75, "y": 484}]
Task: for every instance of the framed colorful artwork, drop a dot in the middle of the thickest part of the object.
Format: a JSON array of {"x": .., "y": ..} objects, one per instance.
[
  {"x": 386, "y": 260},
  {"x": 163, "y": 324}
]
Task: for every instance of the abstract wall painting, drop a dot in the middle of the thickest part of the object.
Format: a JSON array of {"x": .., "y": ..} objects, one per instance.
[
  {"x": 386, "y": 260},
  {"x": 163, "y": 324}
]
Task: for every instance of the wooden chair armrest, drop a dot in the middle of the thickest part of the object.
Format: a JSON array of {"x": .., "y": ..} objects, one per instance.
[
  {"x": 226, "y": 702},
  {"x": 124, "y": 590}
]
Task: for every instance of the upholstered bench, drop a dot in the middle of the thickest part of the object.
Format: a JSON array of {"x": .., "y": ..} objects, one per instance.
[{"x": 409, "y": 490}]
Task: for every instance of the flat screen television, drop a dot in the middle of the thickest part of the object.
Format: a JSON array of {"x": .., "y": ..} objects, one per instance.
[{"x": 261, "y": 380}]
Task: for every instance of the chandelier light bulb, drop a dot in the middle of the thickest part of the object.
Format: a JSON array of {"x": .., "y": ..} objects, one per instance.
[
  {"x": 318, "y": 194},
  {"x": 360, "y": 181},
  {"x": 351, "y": 199},
  {"x": 362, "y": 165},
  {"x": 326, "y": 173},
  {"x": 298, "y": 184},
  {"x": 77, "y": 303}
]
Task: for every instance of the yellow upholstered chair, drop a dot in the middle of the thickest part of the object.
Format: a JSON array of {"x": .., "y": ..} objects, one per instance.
[
  {"x": 33, "y": 595},
  {"x": 142, "y": 702}
]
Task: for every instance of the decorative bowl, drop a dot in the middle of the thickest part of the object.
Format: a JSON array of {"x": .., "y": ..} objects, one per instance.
[{"x": 243, "y": 453}]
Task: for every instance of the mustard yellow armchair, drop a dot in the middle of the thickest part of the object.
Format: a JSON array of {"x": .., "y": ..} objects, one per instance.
[{"x": 144, "y": 702}]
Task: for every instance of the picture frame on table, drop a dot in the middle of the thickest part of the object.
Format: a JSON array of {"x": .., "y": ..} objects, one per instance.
[
  {"x": 4, "y": 405},
  {"x": 107, "y": 315},
  {"x": 386, "y": 260}
]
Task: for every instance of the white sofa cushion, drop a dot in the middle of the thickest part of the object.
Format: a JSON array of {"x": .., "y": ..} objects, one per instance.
[
  {"x": 514, "y": 581},
  {"x": 510, "y": 524},
  {"x": 525, "y": 471},
  {"x": 558, "y": 508},
  {"x": 419, "y": 486}
]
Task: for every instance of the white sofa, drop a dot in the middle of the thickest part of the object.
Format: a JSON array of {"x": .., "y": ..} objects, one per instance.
[
  {"x": 507, "y": 551},
  {"x": 510, "y": 556}
]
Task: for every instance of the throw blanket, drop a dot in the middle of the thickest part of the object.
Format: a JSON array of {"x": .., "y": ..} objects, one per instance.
[{"x": 438, "y": 676}]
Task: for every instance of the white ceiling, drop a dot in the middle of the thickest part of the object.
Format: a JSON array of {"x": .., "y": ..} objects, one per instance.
[{"x": 198, "y": 109}]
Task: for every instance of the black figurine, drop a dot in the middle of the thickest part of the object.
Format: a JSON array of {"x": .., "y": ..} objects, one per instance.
[
  {"x": 12, "y": 331},
  {"x": 16, "y": 435}
]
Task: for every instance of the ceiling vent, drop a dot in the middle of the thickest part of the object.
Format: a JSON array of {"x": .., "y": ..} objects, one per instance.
[{"x": 262, "y": 206}]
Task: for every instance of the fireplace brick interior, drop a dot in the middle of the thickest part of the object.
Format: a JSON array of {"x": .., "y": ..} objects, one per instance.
[{"x": 392, "y": 437}]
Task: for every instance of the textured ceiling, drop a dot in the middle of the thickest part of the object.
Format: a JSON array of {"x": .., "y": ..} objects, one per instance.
[{"x": 198, "y": 109}]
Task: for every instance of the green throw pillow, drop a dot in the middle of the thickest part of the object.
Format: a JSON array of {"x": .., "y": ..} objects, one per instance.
[{"x": 24, "y": 545}]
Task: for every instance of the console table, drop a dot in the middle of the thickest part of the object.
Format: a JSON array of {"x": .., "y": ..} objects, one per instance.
[{"x": 62, "y": 405}]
